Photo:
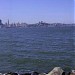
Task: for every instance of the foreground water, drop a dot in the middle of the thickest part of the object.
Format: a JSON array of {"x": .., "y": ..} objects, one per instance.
[{"x": 36, "y": 49}]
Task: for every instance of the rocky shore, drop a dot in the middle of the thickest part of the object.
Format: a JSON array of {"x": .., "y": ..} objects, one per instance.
[{"x": 55, "y": 71}]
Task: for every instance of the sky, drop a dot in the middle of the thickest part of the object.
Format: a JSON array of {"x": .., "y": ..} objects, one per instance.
[{"x": 33, "y": 11}]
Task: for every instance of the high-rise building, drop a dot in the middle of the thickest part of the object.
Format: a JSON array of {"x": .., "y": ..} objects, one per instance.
[
  {"x": 8, "y": 21},
  {"x": 0, "y": 22}
]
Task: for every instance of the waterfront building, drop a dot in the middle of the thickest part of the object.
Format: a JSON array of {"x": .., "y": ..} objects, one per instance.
[{"x": 1, "y": 24}]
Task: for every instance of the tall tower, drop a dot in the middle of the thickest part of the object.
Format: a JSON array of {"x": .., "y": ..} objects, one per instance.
[
  {"x": 8, "y": 21},
  {"x": 1, "y": 24},
  {"x": 0, "y": 21}
]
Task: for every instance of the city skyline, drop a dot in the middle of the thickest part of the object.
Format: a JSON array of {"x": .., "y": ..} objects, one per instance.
[{"x": 32, "y": 11}]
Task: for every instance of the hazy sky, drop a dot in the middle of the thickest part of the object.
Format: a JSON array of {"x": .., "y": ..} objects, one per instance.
[{"x": 32, "y": 11}]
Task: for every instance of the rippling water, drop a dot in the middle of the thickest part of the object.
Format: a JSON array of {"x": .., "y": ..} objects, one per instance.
[{"x": 36, "y": 49}]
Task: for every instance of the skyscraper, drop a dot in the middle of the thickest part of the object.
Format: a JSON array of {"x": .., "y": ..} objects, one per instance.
[
  {"x": 0, "y": 22},
  {"x": 8, "y": 21}
]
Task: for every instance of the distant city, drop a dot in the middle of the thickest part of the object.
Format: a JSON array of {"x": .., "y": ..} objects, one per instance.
[{"x": 39, "y": 24}]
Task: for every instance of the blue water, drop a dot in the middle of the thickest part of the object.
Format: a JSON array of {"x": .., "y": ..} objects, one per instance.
[{"x": 36, "y": 49}]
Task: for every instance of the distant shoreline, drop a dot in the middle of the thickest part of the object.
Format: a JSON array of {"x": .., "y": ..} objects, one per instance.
[{"x": 39, "y": 24}]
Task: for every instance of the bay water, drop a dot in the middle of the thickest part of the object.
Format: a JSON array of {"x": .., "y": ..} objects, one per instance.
[{"x": 37, "y": 49}]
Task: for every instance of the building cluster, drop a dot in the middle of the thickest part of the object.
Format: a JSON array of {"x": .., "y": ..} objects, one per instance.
[
  {"x": 8, "y": 25},
  {"x": 39, "y": 24}
]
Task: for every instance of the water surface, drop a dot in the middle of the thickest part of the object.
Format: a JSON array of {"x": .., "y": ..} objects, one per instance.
[{"x": 36, "y": 49}]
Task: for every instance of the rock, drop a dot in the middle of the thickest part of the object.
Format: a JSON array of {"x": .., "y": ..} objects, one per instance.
[
  {"x": 26, "y": 74},
  {"x": 73, "y": 71},
  {"x": 34, "y": 73},
  {"x": 56, "y": 71},
  {"x": 42, "y": 74},
  {"x": 10, "y": 73},
  {"x": 1, "y": 74},
  {"x": 63, "y": 73},
  {"x": 69, "y": 73}
]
